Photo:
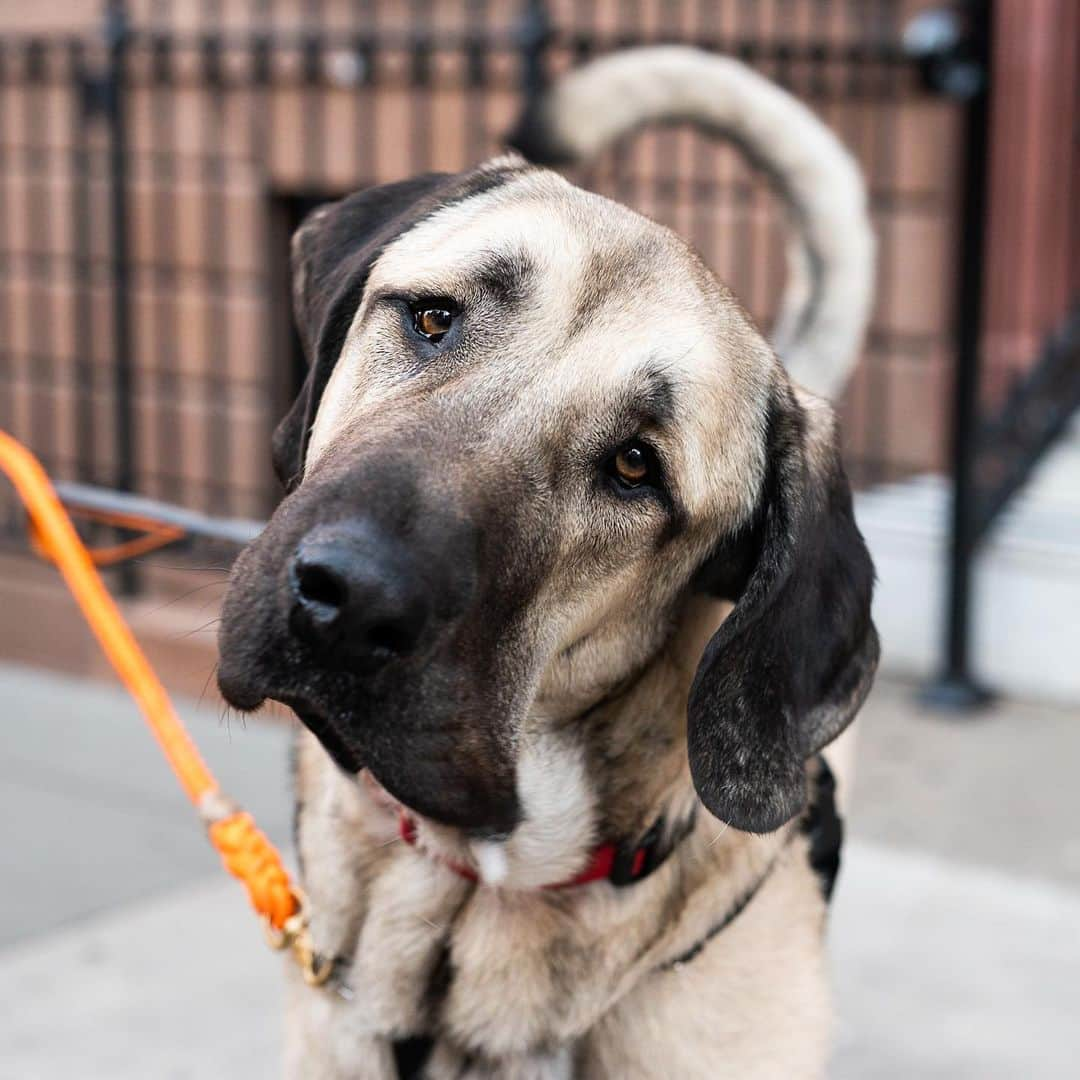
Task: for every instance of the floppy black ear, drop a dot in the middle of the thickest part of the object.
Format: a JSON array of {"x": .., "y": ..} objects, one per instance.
[
  {"x": 790, "y": 666},
  {"x": 332, "y": 255}
]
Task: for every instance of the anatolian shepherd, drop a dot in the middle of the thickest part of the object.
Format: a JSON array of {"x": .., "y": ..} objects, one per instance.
[{"x": 568, "y": 595}]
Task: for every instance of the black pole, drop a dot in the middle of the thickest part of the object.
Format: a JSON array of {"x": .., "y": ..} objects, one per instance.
[
  {"x": 116, "y": 41},
  {"x": 955, "y": 687},
  {"x": 534, "y": 35}
]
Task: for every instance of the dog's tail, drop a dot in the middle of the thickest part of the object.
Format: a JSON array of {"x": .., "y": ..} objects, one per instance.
[{"x": 827, "y": 298}]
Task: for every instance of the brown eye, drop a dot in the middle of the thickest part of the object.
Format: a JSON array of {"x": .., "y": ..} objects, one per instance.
[
  {"x": 433, "y": 323},
  {"x": 633, "y": 465}
]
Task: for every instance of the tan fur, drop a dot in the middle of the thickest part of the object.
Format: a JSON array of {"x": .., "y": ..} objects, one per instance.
[
  {"x": 541, "y": 975},
  {"x": 549, "y": 984},
  {"x": 552, "y": 985}
]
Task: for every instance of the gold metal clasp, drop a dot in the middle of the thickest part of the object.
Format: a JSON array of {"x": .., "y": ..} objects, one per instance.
[{"x": 295, "y": 935}]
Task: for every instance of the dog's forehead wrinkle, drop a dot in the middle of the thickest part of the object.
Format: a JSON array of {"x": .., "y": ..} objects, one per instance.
[
  {"x": 584, "y": 242},
  {"x": 614, "y": 276},
  {"x": 452, "y": 240},
  {"x": 591, "y": 421},
  {"x": 506, "y": 272}
]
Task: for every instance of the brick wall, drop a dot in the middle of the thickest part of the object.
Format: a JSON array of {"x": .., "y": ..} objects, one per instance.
[
  {"x": 224, "y": 145},
  {"x": 1033, "y": 268}
]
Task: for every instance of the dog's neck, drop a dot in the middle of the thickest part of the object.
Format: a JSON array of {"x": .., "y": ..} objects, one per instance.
[{"x": 605, "y": 774}]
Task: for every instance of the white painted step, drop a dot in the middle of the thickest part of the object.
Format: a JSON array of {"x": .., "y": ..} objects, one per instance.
[{"x": 1026, "y": 610}]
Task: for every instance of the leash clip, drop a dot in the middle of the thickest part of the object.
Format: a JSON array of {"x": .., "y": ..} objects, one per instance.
[{"x": 295, "y": 935}]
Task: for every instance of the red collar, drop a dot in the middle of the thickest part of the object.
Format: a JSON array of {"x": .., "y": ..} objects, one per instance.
[{"x": 620, "y": 863}]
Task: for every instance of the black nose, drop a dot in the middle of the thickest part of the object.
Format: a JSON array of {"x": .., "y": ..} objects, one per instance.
[{"x": 355, "y": 594}]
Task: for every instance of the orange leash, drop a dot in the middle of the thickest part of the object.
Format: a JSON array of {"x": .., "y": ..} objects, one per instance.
[{"x": 244, "y": 848}]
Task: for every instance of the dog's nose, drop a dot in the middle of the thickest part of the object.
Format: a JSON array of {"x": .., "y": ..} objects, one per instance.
[{"x": 354, "y": 594}]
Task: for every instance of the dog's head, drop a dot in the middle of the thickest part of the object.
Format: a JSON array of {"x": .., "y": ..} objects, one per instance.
[{"x": 534, "y": 425}]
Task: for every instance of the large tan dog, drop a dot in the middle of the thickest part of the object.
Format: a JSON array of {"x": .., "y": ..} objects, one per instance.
[{"x": 568, "y": 594}]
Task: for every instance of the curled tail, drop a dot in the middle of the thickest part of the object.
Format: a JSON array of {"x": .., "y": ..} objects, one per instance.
[{"x": 826, "y": 302}]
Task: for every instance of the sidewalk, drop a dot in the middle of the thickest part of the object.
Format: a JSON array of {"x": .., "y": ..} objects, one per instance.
[
  {"x": 128, "y": 954},
  {"x": 94, "y": 819}
]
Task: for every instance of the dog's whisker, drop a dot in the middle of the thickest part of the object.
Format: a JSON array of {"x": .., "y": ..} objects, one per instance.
[
  {"x": 206, "y": 682},
  {"x": 719, "y": 834},
  {"x": 211, "y": 600},
  {"x": 186, "y": 595},
  {"x": 225, "y": 718},
  {"x": 195, "y": 569},
  {"x": 198, "y": 630}
]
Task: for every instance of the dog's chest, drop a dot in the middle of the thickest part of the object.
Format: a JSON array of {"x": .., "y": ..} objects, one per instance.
[
  {"x": 454, "y": 981},
  {"x": 432, "y": 955},
  {"x": 451, "y": 973}
]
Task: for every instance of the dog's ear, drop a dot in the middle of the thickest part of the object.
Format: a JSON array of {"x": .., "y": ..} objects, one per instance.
[
  {"x": 790, "y": 666},
  {"x": 332, "y": 255}
]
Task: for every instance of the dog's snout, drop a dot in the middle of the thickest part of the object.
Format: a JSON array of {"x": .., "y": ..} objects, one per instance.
[{"x": 356, "y": 594}]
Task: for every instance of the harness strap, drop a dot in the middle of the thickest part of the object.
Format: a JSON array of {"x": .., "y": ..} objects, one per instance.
[{"x": 823, "y": 827}]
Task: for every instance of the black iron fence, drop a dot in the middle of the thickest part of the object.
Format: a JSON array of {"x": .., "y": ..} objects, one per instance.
[{"x": 154, "y": 161}]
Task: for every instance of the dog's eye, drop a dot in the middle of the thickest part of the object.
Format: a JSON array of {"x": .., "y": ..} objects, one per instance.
[
  {"x": 634, "y": 465},
  {"x": 432, "y": 321}
]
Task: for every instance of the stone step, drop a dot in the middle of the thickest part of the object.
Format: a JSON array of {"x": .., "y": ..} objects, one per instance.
[{"x": 1026, "y": 624}]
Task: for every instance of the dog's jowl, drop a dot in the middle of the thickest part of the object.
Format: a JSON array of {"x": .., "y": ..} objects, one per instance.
[{"x": 569, "y": 597}]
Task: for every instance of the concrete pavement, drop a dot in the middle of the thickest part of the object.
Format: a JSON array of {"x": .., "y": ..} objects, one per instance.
[
  {"x": 128, "y": 954},
  {"x": 92, "y": 817}
]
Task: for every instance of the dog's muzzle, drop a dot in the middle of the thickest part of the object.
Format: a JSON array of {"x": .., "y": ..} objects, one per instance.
[
  {"x": 367, "y": 625},
  {"x": 364, "y": 607}
]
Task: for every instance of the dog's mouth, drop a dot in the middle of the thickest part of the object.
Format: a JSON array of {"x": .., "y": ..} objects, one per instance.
[
  {"x": 436, "y": 738},
  {"x": 349, "y": 762},
  {"x": 343, "y": 755},
  {"x": 418, "y": 770}
]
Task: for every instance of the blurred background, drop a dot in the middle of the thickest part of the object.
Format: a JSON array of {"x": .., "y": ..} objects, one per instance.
[{"x": 155, "y": 156}]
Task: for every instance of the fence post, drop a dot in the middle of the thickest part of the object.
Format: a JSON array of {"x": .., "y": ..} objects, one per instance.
[
  {"x": 534, "y": 34},
  {"x": 955, "y": 687},
  {"x": 116, "y": 35}
]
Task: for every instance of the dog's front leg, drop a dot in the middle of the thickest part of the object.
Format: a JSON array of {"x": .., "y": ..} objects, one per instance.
[
  {"x": 403, "y": 944},
  {"x": 409, "y": 908},
  {"x": 329, "y": 1036},
  {"x": 323, "y": 1040},
  {"x": 449, "y": 1063}
]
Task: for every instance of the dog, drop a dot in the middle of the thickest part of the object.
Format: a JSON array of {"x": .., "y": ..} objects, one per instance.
[{"x": 568, "y": 595}]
